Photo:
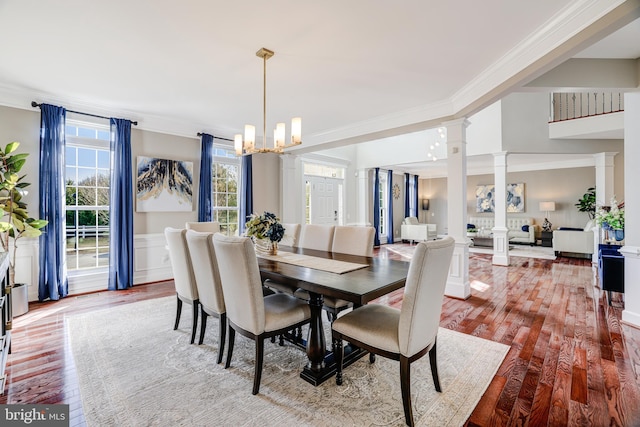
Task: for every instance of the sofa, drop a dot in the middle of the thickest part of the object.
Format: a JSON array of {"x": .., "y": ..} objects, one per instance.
[
  {"x": 521, "y": 230},
  {"x": 412, "y": 230},
  {"x": 574, "y": 240}
]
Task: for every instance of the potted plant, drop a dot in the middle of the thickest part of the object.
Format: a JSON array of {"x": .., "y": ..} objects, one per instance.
[
  {"x": 266, "y": 231},
  {"x": 15, "y": 222},
  {"x": 611, "y": 218},
  {"x": 588, "y": 203}
]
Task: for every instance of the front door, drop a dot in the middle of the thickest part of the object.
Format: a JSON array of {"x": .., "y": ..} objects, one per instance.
[{"x": 325, "y": 195}]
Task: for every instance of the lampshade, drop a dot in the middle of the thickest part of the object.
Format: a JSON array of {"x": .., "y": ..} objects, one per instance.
[
  {"x": 425, "y": 204},
  {"x": 547, "y": 206}
]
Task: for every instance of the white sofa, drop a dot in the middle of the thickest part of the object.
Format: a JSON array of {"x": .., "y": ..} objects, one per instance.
[
  {"x": 575, "y": 241},
  {"x": 412, "y": 230},
  {"x": 515, "y": 226}
]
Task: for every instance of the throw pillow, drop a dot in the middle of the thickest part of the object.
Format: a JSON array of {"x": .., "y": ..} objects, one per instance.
[
  {"x": 525, "y": 228},
  {"x": 470, "y": 226}
]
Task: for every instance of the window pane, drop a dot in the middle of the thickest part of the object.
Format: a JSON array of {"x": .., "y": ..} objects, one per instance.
[
  {"x": 221, "y": 199},
  {"x": 103, "y": 197},
  {"x": 71, "y": 196},
  {"x": 70, "y": 175},
  {"x": 104, "y": 159},
  {"x": 104, "y": 135},
  {"x": 70, "y": 156},
  {"x": 103, "y": 257},
  {"x": 86, "y": 196},
  {"x": 103, "y": 218},
  {"x": 87, "y": 258},
  {"x": 86, "y": 157},
  {"x": 86, "y": 176},
  {"x": 87, "y": 133}
]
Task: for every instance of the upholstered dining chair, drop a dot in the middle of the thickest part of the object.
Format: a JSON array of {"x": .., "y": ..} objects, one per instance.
[
  {"x": 406, "y": 334},
  {"x": 249, "y": 312},
  {"x": 186, "y": 290},
  {"x": 351, "y": 240},
  {"x": 203, "y": 226},
  {"x": 318, "y": 237},
  {"x": 210, "y": 296},
  {"x": 291, "y": 235}
]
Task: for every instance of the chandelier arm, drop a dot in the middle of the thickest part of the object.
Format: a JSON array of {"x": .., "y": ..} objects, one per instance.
[{"x": 264, "y": 102}]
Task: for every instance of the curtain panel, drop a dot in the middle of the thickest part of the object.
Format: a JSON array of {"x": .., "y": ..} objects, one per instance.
[
  {"x": 415, "y": 194},
  {"x": 390, "y": 210},
  {"x": 121, "y": 248},
  {"x": 407, "y": 198},
  {"x": 246, "y": 192},
  {"x": 204, "y": 190},
  {"x": 376, "y": 207},
  {"x": 52, "y": 280}
]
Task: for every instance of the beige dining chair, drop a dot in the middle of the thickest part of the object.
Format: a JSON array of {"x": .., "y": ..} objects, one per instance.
[
  {"x": 207, "y": 276},
  {"x": 203, "y": 226},
  {"x": 350, "y": 240},
  {"x": 186, "y": 290},
  {"x": 406, "y": 334},
  {"x": 249, "y": 312},
  {"x": 318, "y": 237},
  {"x": 291, "y": 235}
]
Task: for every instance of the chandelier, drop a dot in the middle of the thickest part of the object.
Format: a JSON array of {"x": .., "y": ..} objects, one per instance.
[{"x": 247, "y": 145}]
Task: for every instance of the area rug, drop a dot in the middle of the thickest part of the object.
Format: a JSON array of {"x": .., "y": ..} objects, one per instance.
[
  {"x": 406, "y": 251},
  {"x": 134, "y": 370}
]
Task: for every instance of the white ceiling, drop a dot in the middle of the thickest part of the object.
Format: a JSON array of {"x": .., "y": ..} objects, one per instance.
[{"x": 353, "y": 70}]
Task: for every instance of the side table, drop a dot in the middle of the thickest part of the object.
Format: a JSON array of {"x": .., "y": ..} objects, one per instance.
[{"x": 547, "y": 238}]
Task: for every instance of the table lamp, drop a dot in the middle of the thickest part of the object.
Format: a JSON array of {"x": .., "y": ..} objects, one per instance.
[{"x": 547, "y": 207}]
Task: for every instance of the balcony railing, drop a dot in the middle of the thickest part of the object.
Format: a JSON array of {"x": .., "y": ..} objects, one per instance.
[{"x": 567, "y": 106}]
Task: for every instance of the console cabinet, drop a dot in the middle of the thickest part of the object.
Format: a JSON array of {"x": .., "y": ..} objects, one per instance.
[{"x": 610, "y": 269}]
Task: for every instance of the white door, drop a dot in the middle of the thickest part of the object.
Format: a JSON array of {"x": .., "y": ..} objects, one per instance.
[{"x": 325, "y": 204}]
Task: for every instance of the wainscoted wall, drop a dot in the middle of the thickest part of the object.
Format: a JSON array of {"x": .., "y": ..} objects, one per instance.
[{"x": 151, "y": 264}]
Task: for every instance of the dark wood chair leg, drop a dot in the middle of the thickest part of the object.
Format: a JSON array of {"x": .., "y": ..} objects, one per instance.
[
  {"x": 405, "y": 386},
  {"x": 194, "y": 324},
  {"x": 372, "y": 358},
  {"x": 222, "y": 335},
  {"x": 338, "y": 352},
  {"x": 178, "y": 312},
  {"x": 258, "y": 368},
  {"x": 203, "y": 325},
  {"x": 434, "y": 367},
  {"x": 281, "y": 340},
  {"x": 232, "y": 339}
]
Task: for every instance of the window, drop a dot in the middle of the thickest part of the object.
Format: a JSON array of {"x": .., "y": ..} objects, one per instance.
[
  {"x": 87, "y": 180},
  {"x": 225, "y": 175},
  {"x": 383, "y": 198}
]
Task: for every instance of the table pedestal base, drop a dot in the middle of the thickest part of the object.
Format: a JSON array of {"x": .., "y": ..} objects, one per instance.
[{"x": 328, "y": 370}]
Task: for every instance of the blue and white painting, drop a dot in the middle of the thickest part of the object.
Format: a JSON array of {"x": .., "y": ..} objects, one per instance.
[
  {"x": 164, "y": 185},
  {"x": 485, "y": 201}
]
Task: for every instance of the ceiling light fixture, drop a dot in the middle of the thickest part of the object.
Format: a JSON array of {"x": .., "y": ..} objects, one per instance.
[{"x": 247, "y": 145}]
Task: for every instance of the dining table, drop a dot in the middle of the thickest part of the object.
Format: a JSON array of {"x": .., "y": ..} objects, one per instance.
[{"x": 357, "y": 279}]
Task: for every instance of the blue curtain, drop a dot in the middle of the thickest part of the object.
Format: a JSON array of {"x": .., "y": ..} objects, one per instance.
[
  {"x": 407, "y": 199},
  {"x": 390, "y": 210},
  {"x": 121, "y": 207},
  {"x": 52, "y": 281},
  {"x": 246, "y": 192},
  {"x": 376, "y": 207},
  {"x": 204, "y": 191},
  {"x": 415, "y": 195}
]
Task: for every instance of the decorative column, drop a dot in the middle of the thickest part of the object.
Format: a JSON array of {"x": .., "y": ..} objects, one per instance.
[
  {"x": 363, "y": 214},
  {"x": 604, "y": 192},
  {"x": 631, "y": 248},
  {"x": 292, "y": 195},
  {"x": 458, "y": 280},
  {"x": 500, "y": 230}
]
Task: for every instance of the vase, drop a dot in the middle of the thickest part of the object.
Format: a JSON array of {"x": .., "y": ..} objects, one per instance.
[
  {"x": 265, "y": 246},
  {"x": 619, "y": 235}
]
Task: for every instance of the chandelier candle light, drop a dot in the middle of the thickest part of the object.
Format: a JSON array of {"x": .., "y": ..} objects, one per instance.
[{"x": 247, "y": 146}]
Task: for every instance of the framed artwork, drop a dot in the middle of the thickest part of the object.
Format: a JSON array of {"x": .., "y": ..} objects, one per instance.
[
  {"x": 485, "y": 198},
  {"x": 164, "y": 185}
]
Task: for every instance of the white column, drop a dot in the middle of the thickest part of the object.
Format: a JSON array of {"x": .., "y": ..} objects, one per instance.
[
  {"x": 458, "y": 280},
  {"x": 631, "y": 249},
  {"x": 292, "y": 197},
  {"x": 604, "y": 192},
  {"x": 500, "y": 230},
  {"x": 363, "y": 214}
]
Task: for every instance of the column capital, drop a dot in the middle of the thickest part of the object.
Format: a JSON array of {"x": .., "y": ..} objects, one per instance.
[
  {"x": 604, "y": 159},
  {"x": 462, "y": 122}
]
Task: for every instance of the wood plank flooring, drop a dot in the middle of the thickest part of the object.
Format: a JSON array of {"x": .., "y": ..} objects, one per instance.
[{"x": 572, "y": 362}]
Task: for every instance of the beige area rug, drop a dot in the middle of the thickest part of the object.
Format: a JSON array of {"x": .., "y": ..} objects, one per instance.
[
  {"x": 135, "y": 370},
  {"x": 514, "y": 250}
]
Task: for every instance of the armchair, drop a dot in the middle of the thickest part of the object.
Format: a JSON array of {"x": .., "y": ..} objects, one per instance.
[
  {"x": 574, "y": 240},
  {"x": 412, "y": 230}
]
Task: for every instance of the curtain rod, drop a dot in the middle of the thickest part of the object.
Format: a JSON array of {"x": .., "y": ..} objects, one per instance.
[
  {"x": 217, "y": 137},
  {"x": 35, "y": 104}
]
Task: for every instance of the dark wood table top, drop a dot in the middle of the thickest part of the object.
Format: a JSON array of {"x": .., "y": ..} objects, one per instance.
[{"x": 359, "y": 286}]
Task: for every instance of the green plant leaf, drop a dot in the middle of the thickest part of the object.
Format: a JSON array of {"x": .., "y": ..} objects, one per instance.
[
  {"x": 4, "y": 226},
  {"x": 11, "y": 147},
  {"x": 37, "y": 223}
]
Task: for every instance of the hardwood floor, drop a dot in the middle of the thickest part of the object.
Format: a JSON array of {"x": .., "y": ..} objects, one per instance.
[{"x": 572, "y": 362}]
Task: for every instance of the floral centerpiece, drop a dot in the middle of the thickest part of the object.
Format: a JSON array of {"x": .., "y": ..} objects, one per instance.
[
  {"x": 266, "y": 231},
  {"x": 611, "y": 218}
]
